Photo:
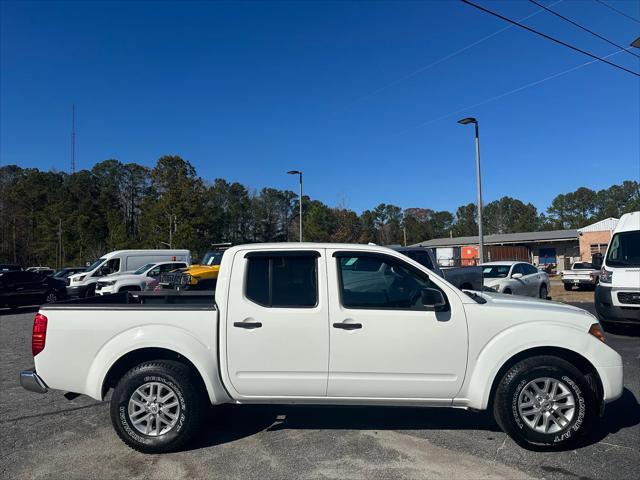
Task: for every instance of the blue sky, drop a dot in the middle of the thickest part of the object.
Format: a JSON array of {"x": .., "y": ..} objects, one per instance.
[{"x": 249, "y": 90}]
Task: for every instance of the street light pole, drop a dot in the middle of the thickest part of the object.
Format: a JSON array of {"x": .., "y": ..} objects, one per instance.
[
  {"x": 467, "y": 121},
  {"x": 299, "y": 173}
]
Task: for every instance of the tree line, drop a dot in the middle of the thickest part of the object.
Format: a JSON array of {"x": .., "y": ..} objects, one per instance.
[{"x": 56, "y": 219}]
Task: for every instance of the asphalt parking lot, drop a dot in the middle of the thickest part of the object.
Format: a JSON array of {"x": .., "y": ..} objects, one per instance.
[{"x": 50, "y": 436}]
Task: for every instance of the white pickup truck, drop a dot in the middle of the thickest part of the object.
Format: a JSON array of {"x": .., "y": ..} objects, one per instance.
[
  {"x": 326, "y": 324},
  {"x": 581, "y": 274}
]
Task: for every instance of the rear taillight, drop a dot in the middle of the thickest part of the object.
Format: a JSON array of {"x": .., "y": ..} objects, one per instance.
[{"x": 39, "y": 336}]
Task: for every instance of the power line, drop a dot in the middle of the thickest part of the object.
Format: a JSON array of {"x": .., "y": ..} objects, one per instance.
[
  {"x": 544, "y": 35},
  {"x": 438, "y": 61},
  {"x": 553, "y": 12},
  {"x": 616, "y": 10},
  {"x": 503, "y": 94}
]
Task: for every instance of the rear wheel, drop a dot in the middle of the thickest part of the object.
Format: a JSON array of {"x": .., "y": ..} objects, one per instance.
[
  {"x": 544, "y": 402},
  {"x": 157, "y": 406},
  {"x": 51, "y": 297},
  {"x": 507, "y": 291},
  {"x": 543, "y": 291},
  {"x": 567, "y": 287}
]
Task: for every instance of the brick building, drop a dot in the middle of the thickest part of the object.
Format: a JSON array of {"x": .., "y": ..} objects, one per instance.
[{"x": 594, "y": 238}]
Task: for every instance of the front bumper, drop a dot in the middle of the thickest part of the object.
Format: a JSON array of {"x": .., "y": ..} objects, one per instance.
[
  {"x": 30, "y": 380},
  {"x": 608, "y": 312},
  {"x": 76, "y": 291}
]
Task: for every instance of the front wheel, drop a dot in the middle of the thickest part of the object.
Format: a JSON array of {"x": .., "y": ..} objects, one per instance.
[
  {"x": 567, "y": 287},
  {"x": 157, "y": 406},
  {"x": 544, "y": 402}
]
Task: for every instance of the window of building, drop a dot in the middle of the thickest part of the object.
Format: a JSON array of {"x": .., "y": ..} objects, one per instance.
[
  {"x": 287, "y": 280},
  {"x": 598, "y": 248}
]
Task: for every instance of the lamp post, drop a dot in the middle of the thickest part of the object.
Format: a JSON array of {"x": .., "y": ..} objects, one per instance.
[
  {"x": 299, "y": 173},
  {"x": 467, "y": 121}
]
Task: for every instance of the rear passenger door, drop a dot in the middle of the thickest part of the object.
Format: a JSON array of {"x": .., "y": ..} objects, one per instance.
[{"x": 277, "y": 324}]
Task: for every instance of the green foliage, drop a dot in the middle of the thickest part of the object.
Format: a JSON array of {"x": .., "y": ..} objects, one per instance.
[{"x": 54, "y": 218}]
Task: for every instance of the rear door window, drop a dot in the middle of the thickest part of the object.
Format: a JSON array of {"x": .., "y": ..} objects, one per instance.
[{"x": 287, "y": 280}]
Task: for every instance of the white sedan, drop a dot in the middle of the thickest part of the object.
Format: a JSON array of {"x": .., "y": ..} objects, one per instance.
[
  {"x": 517, "y": 278},
  {"x": 135, "y": 281}
]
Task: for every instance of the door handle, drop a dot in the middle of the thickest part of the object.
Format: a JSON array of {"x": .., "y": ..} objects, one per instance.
[
  {"x": 247, "y": 325},
  {"x": 347, "y": 326}
]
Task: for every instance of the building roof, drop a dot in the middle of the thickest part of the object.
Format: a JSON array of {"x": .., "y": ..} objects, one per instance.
[
  {"x": 606, "y": 225},
  {"x": 522, "y": 237}
]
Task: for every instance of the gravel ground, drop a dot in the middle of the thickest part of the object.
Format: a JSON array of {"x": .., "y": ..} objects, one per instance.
[{"x": 49, "y": 436}]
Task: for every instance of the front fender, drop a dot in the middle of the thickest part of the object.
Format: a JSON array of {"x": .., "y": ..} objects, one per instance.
[
  {"x": 485, "y": 365},
  {"x": 168, "y": 337}
]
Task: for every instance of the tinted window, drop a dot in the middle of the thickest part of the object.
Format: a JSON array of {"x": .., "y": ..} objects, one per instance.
[
  {"x": 583, "y": 266},
  {"x": 257, "y": 281},
  {"x": 518, "y": 268},
  {"x": 529, "y": 269},
  {"x": 385, "y": 284},
  {"x": 421, "y": 257},
  {"x": 282, "y": 281},
  {"x": 495, "y": 271}
]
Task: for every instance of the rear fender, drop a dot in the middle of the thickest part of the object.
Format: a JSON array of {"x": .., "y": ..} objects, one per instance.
[{"x": 167, "y": 337}]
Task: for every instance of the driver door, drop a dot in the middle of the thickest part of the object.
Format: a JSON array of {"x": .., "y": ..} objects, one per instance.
[{"x": 383, "y": 342}]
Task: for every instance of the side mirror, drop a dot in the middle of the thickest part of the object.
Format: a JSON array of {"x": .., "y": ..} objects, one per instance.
[
  {"x": 516, "y": 275},
  {"x": 434, "y": 299}
]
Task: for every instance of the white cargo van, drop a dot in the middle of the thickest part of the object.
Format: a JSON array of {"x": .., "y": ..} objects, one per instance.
[
  {"x": 618, "y": 293},
  {"x": 84, "y": 284}
]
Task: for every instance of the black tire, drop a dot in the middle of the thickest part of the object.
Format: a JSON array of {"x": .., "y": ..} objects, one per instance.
[
  {"x": 50, "y": 297},
  {"x": 191, "y": 399},
  {"x": 90, "y": 291},
  {"x": 567, "y": 287},
  {"x": 508, "y": 417},
  {"x": 507, "y": 291},
  {"x": 544, "y": 292}
]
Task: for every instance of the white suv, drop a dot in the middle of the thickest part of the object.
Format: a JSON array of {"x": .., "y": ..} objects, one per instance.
[{"x": 135, "y": 281}]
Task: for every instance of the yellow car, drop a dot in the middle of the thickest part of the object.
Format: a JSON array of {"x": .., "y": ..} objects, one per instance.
[{"x": 203, "y": 276}]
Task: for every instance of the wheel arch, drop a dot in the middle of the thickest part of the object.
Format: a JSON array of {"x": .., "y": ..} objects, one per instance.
[
  {"x": 141, "y": 355},
  {"x": 579, "y": 361}
]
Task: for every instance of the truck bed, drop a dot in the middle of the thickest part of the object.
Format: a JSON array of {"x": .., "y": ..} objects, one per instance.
[{"x": 163, "y": 299}]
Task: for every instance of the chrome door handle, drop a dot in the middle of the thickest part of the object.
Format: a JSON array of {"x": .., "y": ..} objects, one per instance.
[
  {"x": 247, "y": 325},
  {"x": 347, "y": 326}
]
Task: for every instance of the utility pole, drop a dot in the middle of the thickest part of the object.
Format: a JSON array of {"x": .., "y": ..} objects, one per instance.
[
  {"x": 299, "y": 173},
  {"x": 467, "y": 121},
  {"x": 60, "y": 242},
  {"x": 73, "y": 138},
  {"x": 173, "y": 227}
]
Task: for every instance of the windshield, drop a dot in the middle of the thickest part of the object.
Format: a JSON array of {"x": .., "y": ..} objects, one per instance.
[
  {"x": 143, "y": 269},
  {"x": 495, "y": 271},
  {"x": 212, "y": 258},
  {"x": 95, "y": 264},
  {"x": 583, "y": 266},
  {"x": 624, "y": 250}
]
